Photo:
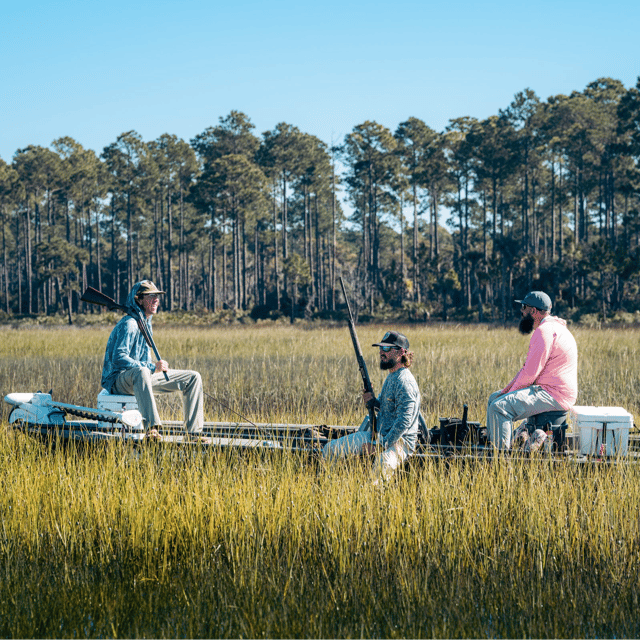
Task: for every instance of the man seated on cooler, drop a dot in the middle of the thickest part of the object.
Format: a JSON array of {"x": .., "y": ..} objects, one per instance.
[
  {"x": 548, "y": 381},
  {"x": 129, "y": 369}
]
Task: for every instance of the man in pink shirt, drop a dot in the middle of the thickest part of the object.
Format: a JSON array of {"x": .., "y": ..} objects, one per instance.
[{"x": 548, "y": 381}]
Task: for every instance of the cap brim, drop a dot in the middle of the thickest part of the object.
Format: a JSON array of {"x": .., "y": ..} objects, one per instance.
[
  {"x": 386, "y": 344},
  {"x": 533, "y": 306}
]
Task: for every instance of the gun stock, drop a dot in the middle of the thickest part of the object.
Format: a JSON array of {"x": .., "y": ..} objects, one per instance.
[
  {"x": 93, "y": 296},
  {"x": 362, "y": 366}
]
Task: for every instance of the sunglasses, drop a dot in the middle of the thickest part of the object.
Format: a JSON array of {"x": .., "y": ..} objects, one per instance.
[{"x": 387, "y": 349}]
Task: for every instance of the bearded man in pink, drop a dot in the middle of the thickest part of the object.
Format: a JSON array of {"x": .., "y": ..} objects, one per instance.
[{"x": 548, "y": 381}]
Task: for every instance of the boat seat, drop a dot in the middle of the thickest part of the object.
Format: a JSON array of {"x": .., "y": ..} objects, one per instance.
[
  {"x": 116, "y": 403},
  {"x": 550, "y": 421},
  {"x": 548, "y": 418}
]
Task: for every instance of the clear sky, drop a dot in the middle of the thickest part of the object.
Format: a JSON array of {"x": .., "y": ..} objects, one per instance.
[{"x": 93, "y": 70}]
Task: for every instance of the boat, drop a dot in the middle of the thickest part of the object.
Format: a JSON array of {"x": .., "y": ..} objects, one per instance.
[{"x": 39, "y": 415}]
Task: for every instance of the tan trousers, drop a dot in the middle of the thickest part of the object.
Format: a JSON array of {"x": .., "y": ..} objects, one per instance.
[
  {"x": 386, "y": 462},
  {"x": 140, "y": 382}
]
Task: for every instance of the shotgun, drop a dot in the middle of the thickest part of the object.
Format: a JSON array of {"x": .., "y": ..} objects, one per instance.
[
  {"x": 362, "y": 365},
  {"x": 93, "y": 296}
]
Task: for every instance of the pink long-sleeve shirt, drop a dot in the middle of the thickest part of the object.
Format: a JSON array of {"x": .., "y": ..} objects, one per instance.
[{"x": 552, "y": 363}]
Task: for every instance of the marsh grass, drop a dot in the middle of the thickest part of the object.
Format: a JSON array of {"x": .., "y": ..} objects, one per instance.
[
  {"x": 273, "y": 373},
  {"x": 123, "y": 542}
]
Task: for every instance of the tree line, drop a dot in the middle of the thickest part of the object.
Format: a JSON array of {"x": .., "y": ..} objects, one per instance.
[{"x": 449, "y": 224}]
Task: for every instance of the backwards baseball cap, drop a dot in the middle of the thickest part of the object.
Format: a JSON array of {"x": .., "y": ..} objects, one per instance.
[
  {"x": 538, "y": 299},
  {"x": 393, "y": 339},
  {"x": 146, "y": 286}
]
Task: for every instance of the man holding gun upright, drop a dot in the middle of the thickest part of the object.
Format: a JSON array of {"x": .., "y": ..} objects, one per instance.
[{"x": 397, "y": 419}]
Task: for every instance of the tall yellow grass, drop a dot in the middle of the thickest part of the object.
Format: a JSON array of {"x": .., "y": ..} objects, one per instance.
[
  {"x": 299, "y": 374},
  {"x": 154, "y": 541}
]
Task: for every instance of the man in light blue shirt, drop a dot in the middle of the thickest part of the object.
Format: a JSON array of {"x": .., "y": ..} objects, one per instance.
[{"x": 128, "y": 368}]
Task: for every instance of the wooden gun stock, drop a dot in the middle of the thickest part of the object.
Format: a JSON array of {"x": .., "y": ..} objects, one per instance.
[{"x": 93, "y": 296}]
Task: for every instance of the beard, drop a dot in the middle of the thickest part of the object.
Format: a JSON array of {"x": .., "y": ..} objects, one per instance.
[
  {"x": 526, "y": 325},
  {"x": 386, "y": 364}
]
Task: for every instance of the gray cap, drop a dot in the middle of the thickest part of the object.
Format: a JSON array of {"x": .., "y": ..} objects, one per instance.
[{"x": 538, "y": 299}]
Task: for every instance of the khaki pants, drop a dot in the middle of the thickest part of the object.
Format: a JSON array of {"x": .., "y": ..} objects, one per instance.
[
  {"x": 385, "y": 463},
  {"x": 505, "y": 409},
  {"x": 140, "y": 382}
]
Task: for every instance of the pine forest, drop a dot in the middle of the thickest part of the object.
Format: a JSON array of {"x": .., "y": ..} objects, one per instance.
[{"x": 449, "y": 225}]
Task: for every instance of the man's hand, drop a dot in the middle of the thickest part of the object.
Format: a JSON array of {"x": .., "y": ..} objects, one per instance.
[
  {"x": 367, "y": 396},
  {"x": 161, "y": 365}
]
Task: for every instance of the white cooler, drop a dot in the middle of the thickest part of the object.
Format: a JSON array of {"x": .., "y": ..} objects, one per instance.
[
  {"x": 597, "y": 423},
  {"x": 115, "y": 403}
]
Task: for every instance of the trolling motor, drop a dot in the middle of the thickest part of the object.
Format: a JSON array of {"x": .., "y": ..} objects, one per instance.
[{"x": 455, "y": 432}]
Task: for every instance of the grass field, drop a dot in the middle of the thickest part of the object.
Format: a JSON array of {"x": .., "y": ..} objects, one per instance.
[{"x": 159, "y": 542}]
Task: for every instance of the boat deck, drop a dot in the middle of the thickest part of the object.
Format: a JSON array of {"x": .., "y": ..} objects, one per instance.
[{"x": 294, "y": 437}]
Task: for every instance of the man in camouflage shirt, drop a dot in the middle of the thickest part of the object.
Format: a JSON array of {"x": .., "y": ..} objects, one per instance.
[{"x": 399, "y": 412}]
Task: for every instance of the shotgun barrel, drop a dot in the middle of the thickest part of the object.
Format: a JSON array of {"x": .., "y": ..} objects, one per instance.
[{"x": 362, "y": 365}]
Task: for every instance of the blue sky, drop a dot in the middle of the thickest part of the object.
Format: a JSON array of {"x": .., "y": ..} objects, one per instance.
[{"x": 93, "y": 70}]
